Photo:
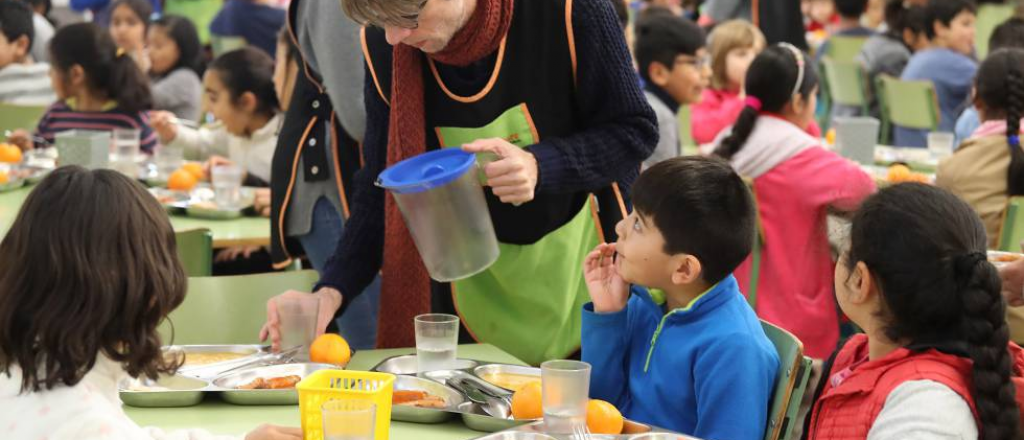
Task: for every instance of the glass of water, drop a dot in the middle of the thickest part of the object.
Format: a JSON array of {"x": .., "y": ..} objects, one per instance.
[
  {"x": 349, "y": 419},
  {"x": 297, "y": 319},
  {"x": 940, "y": 144},
  {"x": 168, "y": 160},
  {"x": 227, "y": 185},
  {"x": 437, "y": 340},
  {"x": 126, "y": 145},
  {"x": 566, "y": 390}
]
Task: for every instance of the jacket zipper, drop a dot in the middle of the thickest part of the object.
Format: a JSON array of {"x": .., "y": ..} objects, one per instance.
[{"x": 654, "y": 340}]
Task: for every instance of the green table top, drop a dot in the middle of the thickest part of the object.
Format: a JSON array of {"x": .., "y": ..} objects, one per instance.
[
  {"x": 219, "y": 417},
  {"x": 237, "y": 232}
]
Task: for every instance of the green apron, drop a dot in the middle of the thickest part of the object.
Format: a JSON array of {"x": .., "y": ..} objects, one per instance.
[{"x": 529, "y": 302}]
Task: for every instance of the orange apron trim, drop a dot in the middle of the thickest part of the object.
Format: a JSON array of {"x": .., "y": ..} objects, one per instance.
[
  {"x": 618, "y": 196},
  {"x": 529, "y": 121},
  {"x": 291, "y": 186},
  {"x": 337, "y": 168},
  {"x": 486, "y": 89},
  {"x": 597, "y": 218},
  {"x": 369, "y": 63},
  {"x": 572, "y": 37}
]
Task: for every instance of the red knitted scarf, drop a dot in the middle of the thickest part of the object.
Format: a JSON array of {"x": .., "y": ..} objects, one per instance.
[{"x": 405, "y": 290}]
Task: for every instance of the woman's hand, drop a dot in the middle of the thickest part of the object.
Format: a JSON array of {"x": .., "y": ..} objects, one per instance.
[
  {"x": 330, "y": 302},
  {"x": 262, "y": 202}
]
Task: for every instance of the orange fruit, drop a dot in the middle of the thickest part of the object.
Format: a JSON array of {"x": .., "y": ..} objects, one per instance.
[
  {"x": 4, "y": 178},
  {"x": 604, "y": 418},
  {"x": 10, "y": 153},
  {"x": 830, "y": 136},
  {"x": 194, "y": 168},
  {"x": 527, "y": 402},
  {"x": 898, "y": 173},
  {"x": 181, "y": 180},
  {"x": 330, "y": 348}
]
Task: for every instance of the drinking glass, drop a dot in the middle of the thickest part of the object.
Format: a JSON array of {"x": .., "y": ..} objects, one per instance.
[
  {"x": 566, "y": 390},
  {"x": 349, "y": 419},
  {"x": 437, "y": 340}
]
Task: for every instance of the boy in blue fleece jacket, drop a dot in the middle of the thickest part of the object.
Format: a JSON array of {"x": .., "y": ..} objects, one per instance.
[{"x": 695, "y": 358}]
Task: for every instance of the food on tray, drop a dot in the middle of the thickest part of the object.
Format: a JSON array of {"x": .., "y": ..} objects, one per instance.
[
  {"x": 510, "y": 381},
  {"x": 527, "y": 402},
  {"x": 417, "y": 398},
  {"x": 604, "y": 418},
  {"x": 4, "y": 178},
  {"x": 194, "y": 359},
  {"x": 182, "y": 180},
  {"x": 10, "y": 153},
  {"x": 206, "y": 205},
  {"x": 195, "y": 169},
  {"x": 1004, "y": 258},
  {"x": 273, "y": 383},
  {"x": 900, "y": 173},
  {"x": 330, "y": 348}
]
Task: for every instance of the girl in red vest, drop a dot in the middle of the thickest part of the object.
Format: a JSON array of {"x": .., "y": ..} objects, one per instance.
[{"x": 935, "y": 359}]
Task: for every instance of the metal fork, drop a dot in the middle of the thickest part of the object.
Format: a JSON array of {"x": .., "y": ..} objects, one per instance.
[{"x": 580, "y": 431}]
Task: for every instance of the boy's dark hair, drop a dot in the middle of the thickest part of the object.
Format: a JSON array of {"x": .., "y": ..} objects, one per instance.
[
  {"x": 1000, "y": 86},
  {"x": 851, "y": 8},
  {"x": 249, "y": 70},
  {"x": 1008, "y": 34},
  {"x": 662, "y": 37},
  {"x": 183, "y": 33},
  {"x": 90, "y": 269},
  {"x": 46, "y": 5},
  {"x": 702, "y": 208},
  {"x": 925, "y": 248},
  {"x": 944, "y": 11},
  {"x": 142, "y": 8},
  {"x": 16, "y": 21},
  {"x": 771, "y": 78},
  {"x": 107, "y": 69}
]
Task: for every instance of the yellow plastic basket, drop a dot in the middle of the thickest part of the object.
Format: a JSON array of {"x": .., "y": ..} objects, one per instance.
[{"x": 326, "y": 385}]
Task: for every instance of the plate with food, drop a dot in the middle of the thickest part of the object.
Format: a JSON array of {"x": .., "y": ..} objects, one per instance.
[
  {"x": 208, "y": 361},
  {"x": 165, "y": 392},
  {"x": 171, "y": 200},
  {"x": 1003, "y": 258},
  {"x": 509, "y": 377},
  {"x": 420, "y": 400},
  {"x": 265, "y": 385},
  {"x": 406, "y": 364},
  {"x": 204, "y": 204}
]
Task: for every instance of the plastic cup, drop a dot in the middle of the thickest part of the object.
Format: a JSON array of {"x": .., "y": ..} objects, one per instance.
[
  {"x": 940, "y": 144},
  {"x": 297, "y": 319},
  {"x": 566, "y": 391},
  {"x": 437, "y": 341},
  {"x": 126, "y": 146},
  {"x": 227, "y": 185},
  {"x": 349, "y": 419}
]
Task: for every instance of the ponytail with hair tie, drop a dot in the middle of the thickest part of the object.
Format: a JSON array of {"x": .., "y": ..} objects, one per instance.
[{"x": 1014, "y": 82}]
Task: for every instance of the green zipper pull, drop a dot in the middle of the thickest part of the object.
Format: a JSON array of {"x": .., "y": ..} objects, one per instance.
[{"x": 654, "y": 340}]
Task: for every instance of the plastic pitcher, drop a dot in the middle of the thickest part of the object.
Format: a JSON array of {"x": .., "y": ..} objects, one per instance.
[
  {"x": 90, "y": 149},
  {"x": 856, "y": 138},
  {"x": 443, "y": 205}
]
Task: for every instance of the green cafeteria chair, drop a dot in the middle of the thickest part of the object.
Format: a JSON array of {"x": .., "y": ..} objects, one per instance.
[
  {"x": 1012, "y": 233},
  {"x": 222, "y": 44},
  {"x": 990, "y": 16},
  {"x": 909, "y": 104},
  {"x": 13, "y": 117},
  {"x": 790, "y": 383},
  {"x": 200, "y": 12},
  {"x": 229, "y": 309},
  {"x": 846, "y": 83},
  {"x": 195, "y": 250},
  {"x": 845, "y": 48}
]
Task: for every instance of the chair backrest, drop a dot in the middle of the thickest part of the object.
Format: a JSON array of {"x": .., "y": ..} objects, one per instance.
[
  {"x": 201, "y": 12},
  {"x": 13, "y": 117},
  {"x": 845, "y": 82},
  {"x": 909, "y": 104},
  {"x": 990, "y": 15},
  {"x": 845, "y": 48},
  {"x": 195, "y": 250},
  {"x": 755, "y": 251},
  {"x": 790, "y": 382},
  {"x": 687, "y": 145},
  {"x": 229, "y": 309},
  {"x": 222, "y": 44},
  {"x": 1012, "y": 233}
]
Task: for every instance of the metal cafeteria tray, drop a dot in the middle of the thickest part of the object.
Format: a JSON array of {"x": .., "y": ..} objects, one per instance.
[
  {"x": 228, "y": 384},
  {"x": 484, "y": 370},
  {"x": 476, "y": 419},
  {"x": 165, "y": 392},
  {"x": 999, "y": 259},
  {"x": 630, "y": 431},
  {"x": 212, "y": 370},
  {"x": 414, "y": 414},
  {"x": 406, "y": 364}
]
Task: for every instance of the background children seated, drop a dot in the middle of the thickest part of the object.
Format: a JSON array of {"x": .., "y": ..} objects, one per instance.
[
  {"x": 889, "y": 52},
  {"x": 934, "y": 360},
  {"x": 670, "y": 53},
  {"x": 240, "y": 94},
  {"x": 733, "y": 46},
  {"x": 696, "y": 361},
  {"x": 1008, "y": 34},
  {"x": 257, "y": 21},
  {"x": 99, "y": 86},
  {"x": 795, "y": 182},
  {"x": 175, "y": 65},
  {"x": 849, "y": 12},
  {"x": 117, "y": 280},
  {"x": 44, "y": 29},
  {"x": 948, "y": 64},
  {"x": 22, "y": 81},
  {"x": 129, "y": 23}
]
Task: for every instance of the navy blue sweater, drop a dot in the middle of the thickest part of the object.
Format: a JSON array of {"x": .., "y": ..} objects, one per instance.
[{"x": 620, "y": 131}]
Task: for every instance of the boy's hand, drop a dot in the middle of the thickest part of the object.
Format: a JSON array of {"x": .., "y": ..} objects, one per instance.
[
  {"x": 164, "y": 125},
  {"x": 22, "y": 139},
  {"x": 608, "y": 290}
]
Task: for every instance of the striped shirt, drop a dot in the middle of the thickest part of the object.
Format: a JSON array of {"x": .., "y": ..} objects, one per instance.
[
  {"x": 59, "y": 117},
  {"x": 26, "y": 84}
]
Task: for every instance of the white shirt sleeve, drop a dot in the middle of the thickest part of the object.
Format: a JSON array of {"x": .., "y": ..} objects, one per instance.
[
  {"x": 97, "y": 425},
  {"x": 924, "y": 410},
  {"x": 200, "y": 144}
]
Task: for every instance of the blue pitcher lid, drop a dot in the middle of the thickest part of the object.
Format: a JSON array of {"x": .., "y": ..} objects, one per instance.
[{"x": 426, "y": 171}]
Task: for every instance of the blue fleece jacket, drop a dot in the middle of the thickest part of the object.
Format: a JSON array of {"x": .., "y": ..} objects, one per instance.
[{"x": 706, "y": 370}]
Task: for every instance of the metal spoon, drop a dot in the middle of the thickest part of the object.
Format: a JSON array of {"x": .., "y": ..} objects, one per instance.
[
  {"x": 34, "y": 138},
  {"x": 495, "y": 406}
]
